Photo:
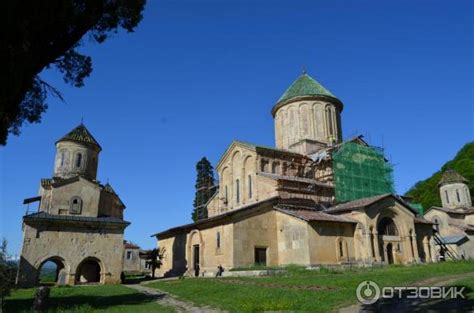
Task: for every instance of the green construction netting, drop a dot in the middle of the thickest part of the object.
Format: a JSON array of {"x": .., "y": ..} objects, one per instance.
[{"x": 360, "y": 172}]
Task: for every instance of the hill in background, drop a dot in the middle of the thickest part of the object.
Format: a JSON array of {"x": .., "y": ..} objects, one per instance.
[{"x": 426, "y": 191}]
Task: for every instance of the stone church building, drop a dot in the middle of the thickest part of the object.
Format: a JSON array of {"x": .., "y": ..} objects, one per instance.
[
  {"x": 79, "y": 224},
  {"x": 454, "y": 220},
  {"x": 282, "y": 205}
]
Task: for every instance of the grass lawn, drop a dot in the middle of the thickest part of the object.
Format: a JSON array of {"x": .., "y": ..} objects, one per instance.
[
  {"x": 111, "y": 298},
  {"x": 300, "y": 290}
]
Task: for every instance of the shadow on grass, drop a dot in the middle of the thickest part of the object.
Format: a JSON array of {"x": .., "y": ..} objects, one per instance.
[
  {"x": 396, "y": 305},
  {"x": 69, "y": 302},
  {"x": 137, "y": 280}
]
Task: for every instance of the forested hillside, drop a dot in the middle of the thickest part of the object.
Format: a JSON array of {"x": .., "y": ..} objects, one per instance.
[{"x": 426, "y": 191}]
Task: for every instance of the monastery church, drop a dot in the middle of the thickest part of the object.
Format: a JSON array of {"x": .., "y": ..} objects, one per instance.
[{"x": 313, "y": 199}]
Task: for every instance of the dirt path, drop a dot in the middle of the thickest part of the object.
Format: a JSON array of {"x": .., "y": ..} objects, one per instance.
[
  {"x": 166, "y": 299},
  {"x": 420, "y": 305}
]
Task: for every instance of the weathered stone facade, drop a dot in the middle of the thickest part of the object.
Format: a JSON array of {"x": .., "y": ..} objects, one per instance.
[
  {"x": 276, "y": 206},
  {"x": 79, "y": 224}
]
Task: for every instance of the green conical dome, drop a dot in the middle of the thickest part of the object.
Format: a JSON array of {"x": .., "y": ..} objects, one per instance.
[
  {"x": 81, "y": 135},
  {"x": 305, "y": 85}
]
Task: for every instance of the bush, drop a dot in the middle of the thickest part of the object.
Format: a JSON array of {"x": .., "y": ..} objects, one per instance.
[{"x": 8, "y": 271}]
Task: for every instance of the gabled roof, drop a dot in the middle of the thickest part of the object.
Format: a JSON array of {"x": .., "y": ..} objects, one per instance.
[
  {"x": 311, "y": 215},
  {"x": 81, "y": 135},
  {"x": 451, "y": 176},
  {"x": 365, "y": 202},
  {"x": 461, "y": 211}
]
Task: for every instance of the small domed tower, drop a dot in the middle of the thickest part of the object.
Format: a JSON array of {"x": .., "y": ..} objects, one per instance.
[
  {"x": 454, "y": 191},
  {"x": 77, "y": 153},
  {"x": 307, "y": 117}
]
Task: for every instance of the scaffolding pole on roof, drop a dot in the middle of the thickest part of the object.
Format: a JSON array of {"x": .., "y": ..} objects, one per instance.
[{"x": 361, "y": 171}]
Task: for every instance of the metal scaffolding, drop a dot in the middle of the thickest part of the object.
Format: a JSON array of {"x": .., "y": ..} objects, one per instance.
[{"x": 361, "y": 171}]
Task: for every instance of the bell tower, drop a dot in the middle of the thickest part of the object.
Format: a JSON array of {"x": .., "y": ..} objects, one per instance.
[
  {"x": 77, "y": 153},
  {"x": 307, "y": 117},
  {"x": 454, "y": 191}
]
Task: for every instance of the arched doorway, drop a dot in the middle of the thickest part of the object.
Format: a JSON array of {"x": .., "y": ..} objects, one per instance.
[
  {"x": 88, "y": 271},
  {"x": 389, "y": 253},
  {"x": 388, "y": 235},
  {"x": 52, "y": 271}
]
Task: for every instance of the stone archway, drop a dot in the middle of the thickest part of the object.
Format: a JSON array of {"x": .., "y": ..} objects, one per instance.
[
  {"x": 195, "y": 253},
  {"x": 60, "y": 272},
  {"x": 89, "y": 271}
]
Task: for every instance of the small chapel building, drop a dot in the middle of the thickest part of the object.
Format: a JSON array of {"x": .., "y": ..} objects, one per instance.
[
  {"x": 454, "y": 220},
  {"x": 291, "y": 204},
  {"x": 79, "y": 224}
]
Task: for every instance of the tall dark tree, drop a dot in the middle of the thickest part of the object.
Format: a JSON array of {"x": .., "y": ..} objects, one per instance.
[
  {"x": 204, "y": 188},
  {"x": 38, "y": 34}
]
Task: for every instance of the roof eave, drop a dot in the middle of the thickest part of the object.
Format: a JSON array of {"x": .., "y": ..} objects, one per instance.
[{"x": 284, "y": 102}]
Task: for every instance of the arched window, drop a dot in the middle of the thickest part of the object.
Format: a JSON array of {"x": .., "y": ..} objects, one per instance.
[
  {"x": 329, "y": 120},
  {"x": 78, "y": 159},
  {"x": 341, "y": 248},
  {"x": 237, "y": 191},
  {"x": 226, "y": 195},
  {"x": 62, "y": 158},
  {"x": 218, "y": 240},
  {"x": 76, "y": 205},
  {"x": 457, "y": 195},
  {"x": 250, "y": 186},
  {"x": 275, "y": 166},
  {"x": 447, "y": 197},
  {"x": 387, "y": 227}
]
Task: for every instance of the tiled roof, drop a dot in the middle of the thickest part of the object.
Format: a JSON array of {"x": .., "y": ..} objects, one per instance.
[
  {"x": 51, "y": 217},
  {"x": 305, "y": 85},
  {"x": 463, "y": 227},
  {"x": 81, "y": 135},
  {"x": 314, "y": 215},
  {"x": 422, "y": 220},
  {"x": 360, "y": 203},
  {"x": 130, "y": 245},
  {"x": 451, "y": 176},
  {"x": 462, "y": 210}
]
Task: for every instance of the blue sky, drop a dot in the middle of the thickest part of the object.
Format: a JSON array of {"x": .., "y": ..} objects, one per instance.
[{"x": 198, "y": 74}]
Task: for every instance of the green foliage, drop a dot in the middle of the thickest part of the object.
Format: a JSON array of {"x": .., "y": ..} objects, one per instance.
[
  {"x": 204, "y": 188},
  {"x": 8, "y": 270},
  {"x": 426, "y": 191},
  {"x": 44, "y": 34}
]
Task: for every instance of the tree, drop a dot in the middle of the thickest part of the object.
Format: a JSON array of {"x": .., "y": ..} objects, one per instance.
[
  {"x": 204, "y": 189},
  {"x": 8, "y": 269},
  {"x": 154, "y": 259},
  {"x": 42, "y": 34},
  {"x": 426, "y": 191}
]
